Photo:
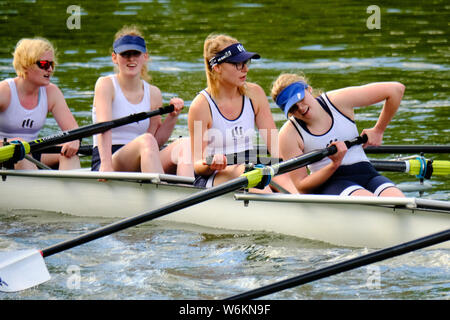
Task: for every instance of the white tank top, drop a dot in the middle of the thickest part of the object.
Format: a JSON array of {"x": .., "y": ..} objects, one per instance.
[
  {"x": 16, "y": 121},
  {"x": 342, "y": 129},
  {"x": 121, "y": 107},
  {"x": 230, "y": 136}
]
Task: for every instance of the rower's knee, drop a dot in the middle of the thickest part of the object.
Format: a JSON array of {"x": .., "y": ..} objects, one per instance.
[
  {"x": 148, "y": 142},
  {"x": 182, "y": 151},
  {"x": 362, "y": 193},
  {"x": 392, "y": 192}
]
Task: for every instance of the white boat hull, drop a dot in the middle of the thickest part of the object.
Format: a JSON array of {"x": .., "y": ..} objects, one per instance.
[{"x": 344, "y": 221}]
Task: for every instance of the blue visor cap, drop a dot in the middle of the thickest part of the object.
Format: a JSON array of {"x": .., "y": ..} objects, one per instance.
[
  {"x": 290, "y": 95},
  {"x": 234, "y": 53},
  {"x": 128, "y": 42}
]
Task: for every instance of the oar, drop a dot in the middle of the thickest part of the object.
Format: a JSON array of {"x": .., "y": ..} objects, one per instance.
[
  {"x": 256, "y": 156},
  {"x": 419, "y": 166},
  {"x": 346, "y": 265},
  {"x": 17, "y": 150},
  {"x": 408, "y": 149},
  {"x": 14, "y": 268},
  {"x": 85, "y": 150}
]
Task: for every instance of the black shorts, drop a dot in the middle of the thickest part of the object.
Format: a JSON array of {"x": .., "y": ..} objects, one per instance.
[
  {"x": 95, "y": 161},
  {"x": 349, "y": 178},
  {"x": 205, "y": 181}
]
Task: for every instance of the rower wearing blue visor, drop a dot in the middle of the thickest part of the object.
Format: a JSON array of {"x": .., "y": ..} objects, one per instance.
[
  {"x": 140, "y": 146},
  {"x": 316, "y": 121}
]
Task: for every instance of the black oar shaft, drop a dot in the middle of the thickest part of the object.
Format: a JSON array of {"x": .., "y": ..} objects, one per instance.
[
  {"x": 347, "y": 265},
  {"x": 83, "y": 150},
  {"x": 196, "y": 198},
  {"x": 92, "y": 129},
  {"x": 314, "y": 156},
  {"x": 391, "y": 166},
  {"x": 408, "y": 149},
  {"x": 207, "y": 194}
]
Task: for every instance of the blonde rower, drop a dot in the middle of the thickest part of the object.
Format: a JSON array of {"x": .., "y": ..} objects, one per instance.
[
  {"x": 136, "y": 146},
  {"x": 222, "y": 117},
  {"x": 26, "y": 100}
]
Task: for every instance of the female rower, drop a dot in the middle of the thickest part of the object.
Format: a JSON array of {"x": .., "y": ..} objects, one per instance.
[
  {"x": 26, "y": 100},
  {"x": 222, "y": 117},
  {"x": 136, "y": 146},
  {"x": 316, "y": 122}
]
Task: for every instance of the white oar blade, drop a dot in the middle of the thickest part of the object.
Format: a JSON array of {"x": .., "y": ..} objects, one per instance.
[{"x": 20, "y": 270}]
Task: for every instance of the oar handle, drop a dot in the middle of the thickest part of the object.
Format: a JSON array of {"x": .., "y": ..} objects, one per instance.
[
  {"x": 349, "y": 143},
  {"x": 402, "y": 149},
  {"x": 8, "y": 152},
  {"x": 95, "y": 128},
  {"x": 246, "y": 156},
  {"x": 85, "y": 150},
  {"x": 314, "y": 156},
  {"x": 237, "y": 158}
]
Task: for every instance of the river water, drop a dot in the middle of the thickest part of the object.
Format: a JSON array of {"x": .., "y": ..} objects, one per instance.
[{"x": 332, "y": 42}]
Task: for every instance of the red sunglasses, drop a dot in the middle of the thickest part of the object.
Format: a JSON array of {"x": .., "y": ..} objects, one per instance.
[{"x": 45, "y": 64}]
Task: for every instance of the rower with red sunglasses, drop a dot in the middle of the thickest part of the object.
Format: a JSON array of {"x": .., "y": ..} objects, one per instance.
[{"x": 26, "y": 100}]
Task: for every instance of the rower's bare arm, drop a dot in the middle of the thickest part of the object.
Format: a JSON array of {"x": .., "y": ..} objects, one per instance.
[
  {"x": 264, "y": 119},
  {"x": 156, "y": 102},
  {"x": 390, "y": 92},
  {"x": 290, "y": 148},
  {"x": 5, "y": 96},
  {"x": 59, "y": 108},
  {"x": 103, "y": 97},
  {"x": 291, "y": 145},
  {"x": 166, "y": 128},
  {"x": 57, "y": 105},
  {"x": 199, "y": 118}
]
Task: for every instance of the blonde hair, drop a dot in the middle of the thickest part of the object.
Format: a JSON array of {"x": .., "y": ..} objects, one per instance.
[
  {"x": 28, "y": 51},
  {"x": 215, "y": 43},
  {"x": 284, "y": 80},
  {"x": 133, "y": 31}
]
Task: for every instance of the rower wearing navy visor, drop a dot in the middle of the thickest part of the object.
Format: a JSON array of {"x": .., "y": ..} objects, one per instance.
[
  {"x": 222, "y": 117},
  {"x": 318, "y": 120},
  {"x": 136, "y": 146}
]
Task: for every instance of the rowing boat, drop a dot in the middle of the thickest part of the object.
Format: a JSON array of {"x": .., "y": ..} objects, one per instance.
[{"x": 343, "y": 221}]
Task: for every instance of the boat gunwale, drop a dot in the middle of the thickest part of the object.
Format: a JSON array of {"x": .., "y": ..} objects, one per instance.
[{"x": 394, "y": 202}]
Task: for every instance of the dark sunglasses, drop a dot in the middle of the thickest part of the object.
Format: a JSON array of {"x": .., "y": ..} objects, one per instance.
[
  {"x": 240, "y": 65},
  {"x": 45, "y": 64},
  {"x": 130, "y": 53}
]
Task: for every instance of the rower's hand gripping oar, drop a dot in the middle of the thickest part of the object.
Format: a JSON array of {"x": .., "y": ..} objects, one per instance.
[
  {"x": 25, "y": 269},
  {"x": 17, "y": 150}
]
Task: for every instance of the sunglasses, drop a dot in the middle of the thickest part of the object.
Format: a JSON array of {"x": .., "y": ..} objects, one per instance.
[
  {"x": 240, "y": 65},
  {"x": 45, "y": 64}
]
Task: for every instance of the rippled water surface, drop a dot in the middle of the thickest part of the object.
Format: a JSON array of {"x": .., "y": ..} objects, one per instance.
[
  {"x": 161, "y": 260},
  {"x": 327, "y": 40}
]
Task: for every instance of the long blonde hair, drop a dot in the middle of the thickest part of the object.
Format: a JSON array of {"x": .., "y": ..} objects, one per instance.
[
  {"x": 28, "y": 51},
  {"x": 133, "y": 31},
  {"x": 215, "y": 43}
]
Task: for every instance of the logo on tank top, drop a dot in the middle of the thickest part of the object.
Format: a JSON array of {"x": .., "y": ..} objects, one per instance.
[
  {"x": 3, "y": 283},
  {"x": 331, "y": 141},
  {"x": 27, "y": 123},
  {"x": 237, "y": 132}
]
